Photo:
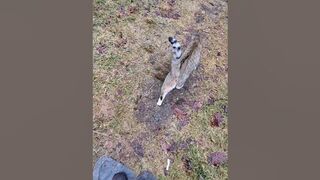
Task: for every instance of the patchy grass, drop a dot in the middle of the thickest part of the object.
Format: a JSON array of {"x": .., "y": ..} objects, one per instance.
[
  {"x": 127, "y": 34},
  {"x": 208, "y": 139},
  {"x": 108, "y": 63}
]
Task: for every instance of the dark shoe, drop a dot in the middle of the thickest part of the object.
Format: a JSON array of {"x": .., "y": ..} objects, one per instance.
[
  {"x": 108, "y": 169},
  {"x": 120, "y": 176}
]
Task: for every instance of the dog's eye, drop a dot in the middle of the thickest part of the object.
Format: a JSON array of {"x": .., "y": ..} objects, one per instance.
[
  {"x": 178, "y": 48},
  {"x": 174, "y": 47}
]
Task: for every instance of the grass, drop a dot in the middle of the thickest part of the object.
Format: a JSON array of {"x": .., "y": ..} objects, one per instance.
[
  {"x": 212, "y": 139},
  {"x": 108, "y": 62},
  {"x": 200, "y": 167},
  {"x": 125, "y": 34}
]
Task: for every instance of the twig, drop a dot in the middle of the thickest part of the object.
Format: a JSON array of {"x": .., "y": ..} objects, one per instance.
[{"x": 168, "y": 164}]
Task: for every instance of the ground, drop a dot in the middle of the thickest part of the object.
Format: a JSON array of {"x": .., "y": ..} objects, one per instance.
[{"x": 130, "y": 38}]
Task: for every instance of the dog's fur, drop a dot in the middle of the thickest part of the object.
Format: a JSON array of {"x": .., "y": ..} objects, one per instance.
[{"x": 182, "y": 65}]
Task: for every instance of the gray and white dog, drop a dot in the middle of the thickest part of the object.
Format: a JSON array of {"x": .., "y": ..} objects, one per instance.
[{"x": 182, "y": 65}]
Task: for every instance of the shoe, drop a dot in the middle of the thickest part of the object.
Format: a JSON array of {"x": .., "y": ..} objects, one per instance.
[
  {"x": 120, "y": 176},
  {"x": 108, "y": 169}
]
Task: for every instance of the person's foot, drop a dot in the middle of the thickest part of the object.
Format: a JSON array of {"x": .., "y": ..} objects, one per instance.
[
  {"x": 120, "y": 176},
  {"x": 108, "y": 169}
]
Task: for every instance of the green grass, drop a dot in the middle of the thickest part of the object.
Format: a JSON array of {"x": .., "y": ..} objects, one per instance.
[
  {"x": 108, "y": 62},
  {"x": 200, "y": 168}
]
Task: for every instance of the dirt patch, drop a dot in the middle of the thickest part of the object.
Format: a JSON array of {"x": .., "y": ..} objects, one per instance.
[
  {"x": 217, "y": 158},
  {"x": 217, "y": 120},
  {"x": 199, "y": 17},
  {"x": 137, "y": 147},
  {"x": 147, "y": 111},
  {"x": 156, "y": 117},
  {"x": 168, "y": 10}
]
